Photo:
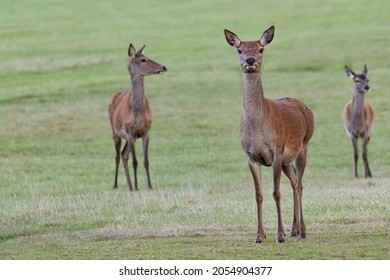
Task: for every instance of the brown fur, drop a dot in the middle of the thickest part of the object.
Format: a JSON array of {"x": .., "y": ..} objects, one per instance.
[
  {"x": 273, "y": 133},
  {"x": 131, "y": 116},
  {"x": 126, "y": 122},
  {"x": 359, "y": 118}
]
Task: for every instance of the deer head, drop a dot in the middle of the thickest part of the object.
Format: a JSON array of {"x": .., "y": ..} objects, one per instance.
[
  {"x": 360, "y": 81},
  {"x": 250, "y": 52},
  {"x": 141, "y": 65}
]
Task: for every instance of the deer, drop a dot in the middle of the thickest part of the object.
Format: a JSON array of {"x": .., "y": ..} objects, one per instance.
[
  {"x": 273, "y": 133},
  {"x": 359, "y": 118},
  {"x": 130, "y": 115}
]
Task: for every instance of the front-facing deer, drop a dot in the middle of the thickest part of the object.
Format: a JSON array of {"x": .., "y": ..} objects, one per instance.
[
  {"x": 130, "y": 114},
  {"x": 273, "y": 133},
  {"x": 359, "y": 117}
]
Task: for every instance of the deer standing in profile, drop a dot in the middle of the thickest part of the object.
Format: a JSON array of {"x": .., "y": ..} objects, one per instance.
[
  {"x": 359, "y": 117},
  {"x": 131, "y": 116},
  {"x": 273, "y": 133}
]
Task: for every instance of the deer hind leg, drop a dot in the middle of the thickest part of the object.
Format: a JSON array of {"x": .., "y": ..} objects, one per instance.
[
  {"x": 367, "y": 171},
  {"x": 355, "y": 154},
  {"x": 125, "y": 159},
  {"x": 289, "y": 171},
  {"x": 300, "y": 169},
  {"x": 145, "y": 145},
  {"x": 117, "y": 143},
  {"x": 256, "y": 174},
  {"x": 277, "y": 169}
]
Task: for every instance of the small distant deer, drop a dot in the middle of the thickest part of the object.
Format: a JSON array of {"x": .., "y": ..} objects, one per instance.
[
  {"x": 131, "y": 116},
  {"x": 359, "y": 117},
  {"x": 273, "y": 133}
]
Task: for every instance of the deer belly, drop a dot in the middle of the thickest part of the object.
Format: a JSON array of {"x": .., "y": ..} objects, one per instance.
[{"x": 289, "y": 155}]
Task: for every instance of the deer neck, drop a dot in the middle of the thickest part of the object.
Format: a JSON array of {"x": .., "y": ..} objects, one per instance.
[
  {"x": 253, "y": 97},
  {"x": 137, "y": 103},
  {"x": 358, "y": 106}
]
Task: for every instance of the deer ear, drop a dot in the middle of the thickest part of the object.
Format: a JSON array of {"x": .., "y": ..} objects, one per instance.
[
  {"x": 364, "y": 72},
  {"x": 232, "y": 38},
  {"x": 141, "y": 51},
  {"x": 349, "y": 72},
  {"x": 131, "y": 51},
  {"x": 267, "y": 36}
]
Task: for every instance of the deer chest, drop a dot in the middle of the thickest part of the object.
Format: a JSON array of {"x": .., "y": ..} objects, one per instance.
[
  {"x": 257, "y": 150},
  {"x": 259, "y": 158},
  {"x": 260, "y": 140}
]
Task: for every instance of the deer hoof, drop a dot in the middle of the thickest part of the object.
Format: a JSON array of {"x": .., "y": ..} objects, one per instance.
[
  {"x": 259, "y": 241},
  {"x": 302, "y": 236},
  {"x": 280, "y": 240}
]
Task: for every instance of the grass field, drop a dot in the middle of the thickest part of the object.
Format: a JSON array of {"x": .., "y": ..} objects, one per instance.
[{"x": 62, "y": 61}]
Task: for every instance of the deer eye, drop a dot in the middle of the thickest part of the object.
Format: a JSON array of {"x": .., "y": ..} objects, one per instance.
[
  {"x": 143, "y": 60},
  {"x": 261, "y": 50},
  {"x": 239, "y": 51}
]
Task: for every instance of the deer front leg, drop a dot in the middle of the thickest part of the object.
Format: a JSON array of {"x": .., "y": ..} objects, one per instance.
[
  {"x": 277, "y": 169},
  {"x": 355, "y": 155},
  {"x": 256, "y": 174},
  {"x": 367, "y": 171}
]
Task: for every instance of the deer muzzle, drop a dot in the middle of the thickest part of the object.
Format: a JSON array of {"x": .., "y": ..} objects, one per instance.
[{"x": 164, "y": 69}]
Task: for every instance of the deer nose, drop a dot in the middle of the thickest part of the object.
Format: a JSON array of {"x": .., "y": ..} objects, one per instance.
[
  {"x": 366, "y": 87},
  {"x": 250, "y": 60},
  {"x": 165, "y": 68}
]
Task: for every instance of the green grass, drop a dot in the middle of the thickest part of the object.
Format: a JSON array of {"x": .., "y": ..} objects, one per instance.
[{"x": 62, "y": 61}]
